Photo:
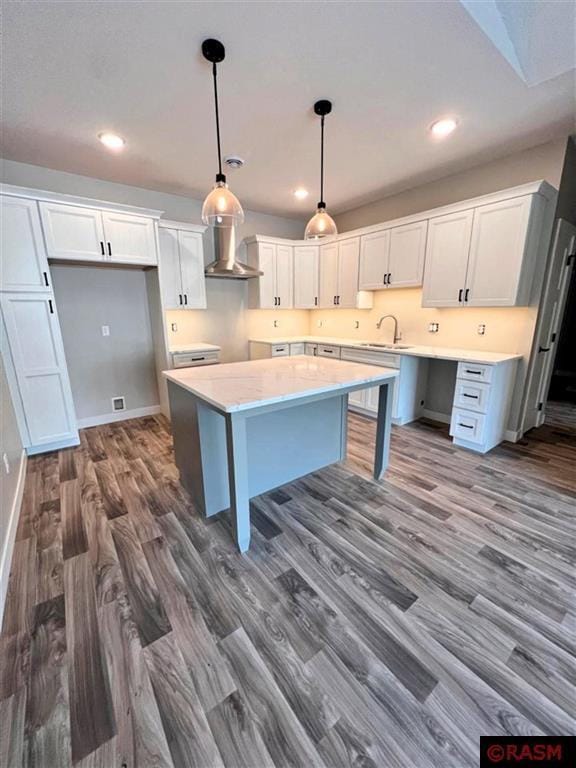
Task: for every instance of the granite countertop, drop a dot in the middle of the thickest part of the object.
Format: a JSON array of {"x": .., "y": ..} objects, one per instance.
[
  {"x": 415, "y": 350},
  {"x": 195, "y": 346},
  {"x": 242, "y": 386}
]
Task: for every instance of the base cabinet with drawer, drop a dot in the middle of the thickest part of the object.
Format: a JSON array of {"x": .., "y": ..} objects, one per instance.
[{"x": 481, "y": 404}]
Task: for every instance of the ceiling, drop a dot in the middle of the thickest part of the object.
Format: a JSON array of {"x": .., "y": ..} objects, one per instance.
[{"x": 74, "y": 69}]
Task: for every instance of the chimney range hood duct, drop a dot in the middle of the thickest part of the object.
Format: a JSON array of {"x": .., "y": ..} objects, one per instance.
[{"x": 225, "y": 264}]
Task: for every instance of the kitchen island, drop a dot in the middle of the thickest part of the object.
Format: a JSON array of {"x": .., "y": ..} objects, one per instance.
[{"x": 242, "y": 429}]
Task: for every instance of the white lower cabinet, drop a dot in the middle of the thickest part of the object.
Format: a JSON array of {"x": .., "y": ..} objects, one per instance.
[{"x": 34, "y": 347}]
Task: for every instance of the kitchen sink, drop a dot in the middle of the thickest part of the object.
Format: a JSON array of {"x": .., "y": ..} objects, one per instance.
[{"x": 385, "y": 346}]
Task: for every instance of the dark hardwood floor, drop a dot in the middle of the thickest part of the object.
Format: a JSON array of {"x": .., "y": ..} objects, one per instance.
[{"x": 384, "y": 625}]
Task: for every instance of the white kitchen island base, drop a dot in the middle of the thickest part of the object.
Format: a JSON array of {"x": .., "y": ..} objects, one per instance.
[{"x": 227, "y": 453}]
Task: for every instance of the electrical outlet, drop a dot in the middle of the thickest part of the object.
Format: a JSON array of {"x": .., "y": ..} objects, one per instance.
[
  {"x": 173, "y": 327},
  {"x": 320, "y": 323},
  {"x": 481, "y": 329},
  {"x": 433, "y": 327},
  {"x": 276, "y": 324},
  {"x": 105, "y": 330},
  {"x": 356, "y": 323},
  {"x": 6, "y": 463}
]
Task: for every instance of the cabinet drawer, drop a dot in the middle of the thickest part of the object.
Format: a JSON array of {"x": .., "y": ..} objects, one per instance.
[
  {"x": 471, "y": 395},
  {"x": 297, "y": 349},
  {"x": 474, "y": 372},
  {"x": 279, "y": 350},
  {"x": 370, "y": 357},
  {"x": 328, "y": 351},
  {"x": 190, "y": 359},
  {"x": 467, "y": 425}
]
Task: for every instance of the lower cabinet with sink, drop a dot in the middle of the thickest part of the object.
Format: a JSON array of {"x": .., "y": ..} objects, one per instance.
[{"x": 409, "y": 387}]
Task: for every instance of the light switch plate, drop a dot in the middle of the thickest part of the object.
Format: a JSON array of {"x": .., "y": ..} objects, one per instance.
[{"x": 173, "y": 327}]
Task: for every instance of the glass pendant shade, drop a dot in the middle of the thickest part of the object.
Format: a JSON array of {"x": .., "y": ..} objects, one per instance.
[
  {"x": 221, "y": 207},
  {"x": 320, "y": 225}
]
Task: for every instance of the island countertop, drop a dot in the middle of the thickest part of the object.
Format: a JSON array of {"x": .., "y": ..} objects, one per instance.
[{"x": 233, "y": 387}]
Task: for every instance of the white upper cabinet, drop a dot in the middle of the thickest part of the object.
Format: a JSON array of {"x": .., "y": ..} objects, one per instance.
[
  {"x": 274, "y": 289},
  {"x": 24, "y": 266},
  {"x": 328, "y": 275},
  {"x": 36, "y": 349},
  {"x": 447, "y": 259},
  {"x": 129, "y": 239},
  {"x": 406, "y": 256},
  {"x": 486, "y": 256},
  {"x": 306, "y": 276},
  {"x": 73, "y": 232},
  {"x": 374, "y": 257},
  {"x": 192, "y": 268},
  {"x": 181, "y": 268},
  {"x": 393, "y": 258},
  {"x": 88, "y": 234},
  {"x": 497, "y": 252},
  {"x": 348, "y": 266},
  {"x": 339, "y": 270}
]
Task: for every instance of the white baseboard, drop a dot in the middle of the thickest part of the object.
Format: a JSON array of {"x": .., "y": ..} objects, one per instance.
[
  {"x": 8, "y": 548},
  {"x": 512, "y": 436},
  {"x": 444, "y": 418},
  {"x": 108, "y": 418}
]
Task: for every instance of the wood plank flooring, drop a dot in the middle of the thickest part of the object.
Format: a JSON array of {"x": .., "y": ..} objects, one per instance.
[{"x": 370, "y": 624}]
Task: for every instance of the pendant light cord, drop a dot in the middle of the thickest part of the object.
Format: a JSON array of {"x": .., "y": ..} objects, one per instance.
[
  {"x": 322, "y": 159},
  {"x": 217, "y": 117}
]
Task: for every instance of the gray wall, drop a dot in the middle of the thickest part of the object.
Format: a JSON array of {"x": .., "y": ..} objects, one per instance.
[
  {"x": 11, "y": 446},
  {"x": 542, "y": 162},
  {"x": 102, "y": 367}
]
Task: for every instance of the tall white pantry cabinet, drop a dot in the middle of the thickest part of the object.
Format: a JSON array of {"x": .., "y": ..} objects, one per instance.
[{"x": 32, "y": 348}]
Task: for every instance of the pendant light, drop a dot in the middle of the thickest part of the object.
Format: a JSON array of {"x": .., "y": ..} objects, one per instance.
[
  {"x": 221, "y": 207},
  {"x": 321, "y": 224}
]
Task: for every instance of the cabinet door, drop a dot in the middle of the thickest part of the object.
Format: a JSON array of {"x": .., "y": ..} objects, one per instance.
[
  {"x": 447, "y": 259},
  {"x": 306, "y": 277},
  {"x": 36, "y": 346},
  {"x": 497, "y": 252},
  {"x": 284, "y": 276},
  {"x": 192, "y": 268},
  {"x": 24, "y": 266},
  {"x": 328, "y": 275},
  {"x": 374, "y": 256},
  {"x": 357, "y": 398},
  {"x": 407, "y": 248},
  {"x": 372, "y": 396},
  {"x": 169, "y": 269},
  {"x": 267, "y": 296},
  {"x": 72, "y": 232},
  {"x": 348, "y": 266},
  {"x": 129, "y": 239}
]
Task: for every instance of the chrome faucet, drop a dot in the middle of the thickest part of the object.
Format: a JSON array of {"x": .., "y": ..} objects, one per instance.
[{"x": 397, "y": 337}]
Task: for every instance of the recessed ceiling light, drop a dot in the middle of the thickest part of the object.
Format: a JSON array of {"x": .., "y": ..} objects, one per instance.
[
  {"x": 300, "y": 193},
  {"x": 112, "y": 140},
  {"x": 444, "y": 127}
]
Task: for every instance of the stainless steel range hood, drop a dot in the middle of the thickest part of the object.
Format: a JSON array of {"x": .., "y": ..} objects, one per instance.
[{"x": 225, "y": 264}]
